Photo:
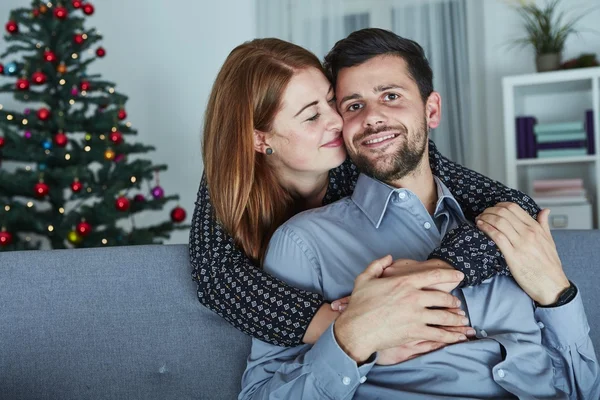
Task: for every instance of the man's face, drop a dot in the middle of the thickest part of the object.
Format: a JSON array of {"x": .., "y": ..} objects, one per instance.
[{"x": 385, "y": 120}]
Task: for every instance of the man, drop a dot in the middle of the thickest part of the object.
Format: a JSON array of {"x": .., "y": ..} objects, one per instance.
[{"x": 523, "y": 349}]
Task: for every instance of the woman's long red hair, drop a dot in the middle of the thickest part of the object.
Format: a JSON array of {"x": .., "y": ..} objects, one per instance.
[{"x": 247, "y": 198}]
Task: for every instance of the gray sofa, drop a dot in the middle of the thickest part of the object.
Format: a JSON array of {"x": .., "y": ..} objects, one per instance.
[{"x": 125, "y": 323}]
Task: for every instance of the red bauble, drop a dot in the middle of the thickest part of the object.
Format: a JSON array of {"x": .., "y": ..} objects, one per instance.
[
  {"x": 122, "y": 204},
  {"x": 78, "y": 38},
  {"x": 1, "y": 69},
  {"x": 88, "y": 9},
  {"x": 41, "y": 189},
  {"x": 36, "y": 12},
  {"x": 22, "y": 84},
  {"x": 5, "y": 238},
  {"x": 1, "y": 142},
  {"x": 116, "y": 137},
  {"x": 60, "y": 139},
  {"x": 122, "y": 114},
  {"x": 83, "y": 228},
  {"x": 39, "y": 78},
  {"x": 100, "y": 52},
  {"x": 61, "y": 12},
  {"x": 43, "y": 114},
  {"x": 84, "y": 86},
  {"x": 76, "y": 186},
  {"x": 49, "y": 56},
  {"x": 77, "y": 3},
  {"x": 12, "y": 27},
  {"x": 178, "y": 214}
]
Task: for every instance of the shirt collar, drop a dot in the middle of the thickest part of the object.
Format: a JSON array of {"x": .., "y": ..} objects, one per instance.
[{"x": 372, "y": 198}]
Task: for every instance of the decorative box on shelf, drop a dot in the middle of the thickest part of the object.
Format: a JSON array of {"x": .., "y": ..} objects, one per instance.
[{"x": 551, "y": 132}]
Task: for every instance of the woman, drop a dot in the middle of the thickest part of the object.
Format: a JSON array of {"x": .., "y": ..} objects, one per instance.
[{"x": 264, "y": 162}]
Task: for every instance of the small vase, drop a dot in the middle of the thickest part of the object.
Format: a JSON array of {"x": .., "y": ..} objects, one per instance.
[{"x": 547, "y": 62}]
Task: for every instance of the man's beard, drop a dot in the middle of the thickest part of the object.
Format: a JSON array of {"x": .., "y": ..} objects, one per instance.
[{"x": 406, "y": 159}]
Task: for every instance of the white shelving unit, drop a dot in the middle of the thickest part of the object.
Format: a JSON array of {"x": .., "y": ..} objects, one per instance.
[{"x": 553, "y": 97}]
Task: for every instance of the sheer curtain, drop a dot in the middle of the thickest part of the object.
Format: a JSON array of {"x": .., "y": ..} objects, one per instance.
[{"x": 439, "y": 26}]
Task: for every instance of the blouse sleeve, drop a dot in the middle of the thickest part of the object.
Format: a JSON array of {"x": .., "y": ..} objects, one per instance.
[
  {"x": 466, "y": 247},
  {"x": 229, "y": 284}
]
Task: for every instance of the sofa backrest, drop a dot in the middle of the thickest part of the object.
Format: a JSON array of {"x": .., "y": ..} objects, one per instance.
[{"x": 125, "y": 323}]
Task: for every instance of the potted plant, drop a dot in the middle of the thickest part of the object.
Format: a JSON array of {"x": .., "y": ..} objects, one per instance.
[{"x": 547, "y": 30}]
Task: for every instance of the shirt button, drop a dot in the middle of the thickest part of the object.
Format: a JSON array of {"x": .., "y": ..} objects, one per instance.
[
  {"x": 501, "y": 373},
  {"x": 346, "y": 381},
  {"x": 402, "y": 195},
  {"x": 427, "y": 225},
  {"x": 484, "y": 334},
  {"x": 363, "y": 379},
  {"x": 541, "y": 325}
]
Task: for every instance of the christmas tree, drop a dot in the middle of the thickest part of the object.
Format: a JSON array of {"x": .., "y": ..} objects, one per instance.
[{"x": 70, "y": 176}]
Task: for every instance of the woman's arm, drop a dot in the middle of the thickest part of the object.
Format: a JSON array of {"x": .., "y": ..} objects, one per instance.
[
  {"x": 466, "y": 247},
  {"x": 250, "y": 299}
]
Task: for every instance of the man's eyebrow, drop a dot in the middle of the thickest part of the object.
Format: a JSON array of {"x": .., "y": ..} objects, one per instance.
[
  {"x": 354, "y": 96},
  {"x": 383, "y": 88},
  {"x": 376, "y": 89}
]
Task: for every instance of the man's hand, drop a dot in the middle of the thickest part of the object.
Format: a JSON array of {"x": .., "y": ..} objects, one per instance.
[
  {"x": 528, "y": 248},
  {"x": 411, "y": 350},
  {"x": 386, "y": 312}
]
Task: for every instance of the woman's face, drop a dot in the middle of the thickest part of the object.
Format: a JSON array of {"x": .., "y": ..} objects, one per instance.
[{"x": 307, "y": 130}]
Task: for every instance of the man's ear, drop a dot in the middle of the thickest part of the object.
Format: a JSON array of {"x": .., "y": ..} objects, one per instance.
[
  {"x": 260, "y": 141},
  {"x": 433, "y": 110}
]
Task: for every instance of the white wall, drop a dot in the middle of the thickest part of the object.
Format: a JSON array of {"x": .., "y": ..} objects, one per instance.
[
  {"x": 165, "y": 55},
  {"x": 501, "y": 24}
]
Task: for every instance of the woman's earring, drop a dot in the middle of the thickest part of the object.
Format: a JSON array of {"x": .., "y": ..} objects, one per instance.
[{"x": 269, "y": 151}]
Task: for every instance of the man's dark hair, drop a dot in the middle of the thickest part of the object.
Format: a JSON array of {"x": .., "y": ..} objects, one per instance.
[{"x": 367, "y": 43}]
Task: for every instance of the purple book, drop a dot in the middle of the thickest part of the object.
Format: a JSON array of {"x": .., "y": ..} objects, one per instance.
[
  {"x": 531, "y": 142},
  {"x": 589, "y": 128},
  {"x": 571, "y": 144},
  {"x": 521, "y": 137}
]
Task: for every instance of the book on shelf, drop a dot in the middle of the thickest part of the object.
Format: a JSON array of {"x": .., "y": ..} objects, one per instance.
[
  {"x": 559, "y": 127},
  {"x": 589, "y": 129},
  {"x": 557, "y": 184},
  {"x": 561, "y": 200},
  {"x": 581, "y": 136},
  {"x": 551, "y": 153},
  {"x": 561, "y": 139},
  {"x": 559, "y": 191}
]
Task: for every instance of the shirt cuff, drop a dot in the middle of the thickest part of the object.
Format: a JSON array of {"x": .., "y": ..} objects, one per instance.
[
  {"x": 338, "y": 374},
  {"x": 564, "y": 325}
]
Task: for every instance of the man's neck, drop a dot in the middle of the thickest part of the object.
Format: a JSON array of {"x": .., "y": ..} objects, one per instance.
[{"x": 422, "y": 183}]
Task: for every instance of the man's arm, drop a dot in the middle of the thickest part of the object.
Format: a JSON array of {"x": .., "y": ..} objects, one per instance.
[
  {"x": 382, "y": 313},
  {"x": 565, "y": 335},
  {"x": 533, "y": 260},
  {"x": 321, "y": 371}
]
